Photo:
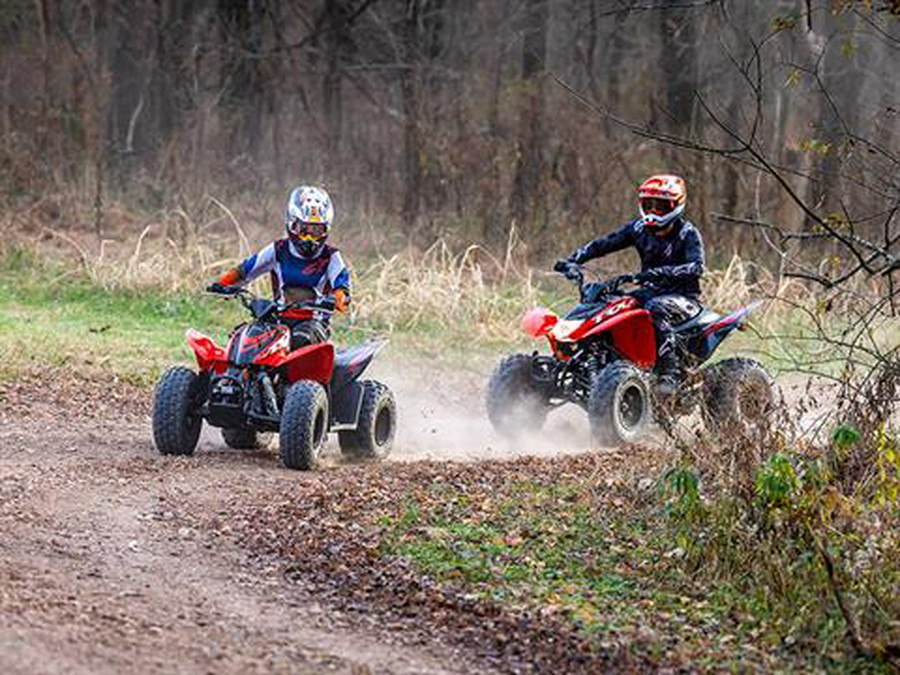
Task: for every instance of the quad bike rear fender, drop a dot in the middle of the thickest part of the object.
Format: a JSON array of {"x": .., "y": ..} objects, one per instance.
[
  {"x": 312, "y": 362},
  {"x": 632, "y": 336},
  {"x": 351, "y": 362},
  {"x": 209, "y": 355},
  {"x": 718, "y": 331},
  {"x": 346, "y": 390}
]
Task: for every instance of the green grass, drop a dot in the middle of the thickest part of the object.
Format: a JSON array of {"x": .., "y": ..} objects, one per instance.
[
  {"x": 619, "y": 575},
  {"x": 48, "y": 318},
  {"x": 59, "y": 317}
]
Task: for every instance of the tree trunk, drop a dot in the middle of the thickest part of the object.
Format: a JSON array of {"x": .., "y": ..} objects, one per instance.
[
  {"x": 412, "y": 135},
  {"x": 678, "y": 63},
  {"x": 530, "y": 144},
  {"x": 335, "y": 27}
]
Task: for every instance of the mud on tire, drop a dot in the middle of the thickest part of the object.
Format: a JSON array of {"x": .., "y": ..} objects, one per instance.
[
  {"x": 738, "y": 398},
  {"x": 515, "y": 405},
  {"x": 304, "y": 425},
  {"x": 176, "y": 424},
  {"x": 374, "y": 435},
  {"x": 242, "y": 439},
  {"x": 619, "y": 407}
]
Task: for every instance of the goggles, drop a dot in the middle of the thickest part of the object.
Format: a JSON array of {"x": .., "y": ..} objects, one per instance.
[
  {"x": 312, "y": 230},
  {"x": 658, "y": 206}
]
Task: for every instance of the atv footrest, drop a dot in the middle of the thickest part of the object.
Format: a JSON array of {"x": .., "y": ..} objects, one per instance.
[
  {"x": 225, "y": 416},
  {"x": 345, "y": 406}
]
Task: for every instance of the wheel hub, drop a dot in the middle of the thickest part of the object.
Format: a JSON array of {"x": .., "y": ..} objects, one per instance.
[{"x": 631, "y": 406}]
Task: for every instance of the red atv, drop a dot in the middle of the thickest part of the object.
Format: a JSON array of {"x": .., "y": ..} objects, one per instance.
[
  {"x": 256, "y": 384},
  {"x": 603, "y": 354}
]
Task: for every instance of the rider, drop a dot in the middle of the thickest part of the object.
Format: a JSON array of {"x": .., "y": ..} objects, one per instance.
[
  {"x": 672, "y": 260},
  {"x": 302, "y": 266}
]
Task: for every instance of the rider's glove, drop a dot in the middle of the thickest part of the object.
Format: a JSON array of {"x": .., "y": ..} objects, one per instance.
[
  {"x": 562, "y": 266},
  {"x": 644, "y": 277},
  {"x": 231, "y": 277},
  {"x": 568, "y": 269},
  {"x": 341, "y": 300}
]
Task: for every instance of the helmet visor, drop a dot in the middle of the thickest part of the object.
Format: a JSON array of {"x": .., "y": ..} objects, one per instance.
[
  {"x": 658, "y": 206},
  {"x": 301, "y": 229}
]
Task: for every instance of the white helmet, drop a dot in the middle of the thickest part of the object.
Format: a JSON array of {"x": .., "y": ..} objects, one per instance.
[{"x": 308, "y": 219}]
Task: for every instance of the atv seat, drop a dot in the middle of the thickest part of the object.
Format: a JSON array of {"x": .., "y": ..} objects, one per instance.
[{"x": 705, "y": 318}]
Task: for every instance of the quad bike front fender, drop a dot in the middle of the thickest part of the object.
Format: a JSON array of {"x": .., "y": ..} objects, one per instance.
[
  {"x": 539, "y": 321},
  {"x": 209, "y": 355},
  {"x": 313, "y": 362}
]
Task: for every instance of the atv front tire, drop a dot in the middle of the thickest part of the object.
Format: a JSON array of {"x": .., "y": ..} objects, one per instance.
[
  {"x": 176, "y": 424},
  {"x": 304, "y": 425},
  {"x": 241, "y": 439},
  {"x": 374, "y": 434},
  {"x": 619, "y": 407},
  {"x": 515, "y": 403},
  {"x": 738, "y": 398}
]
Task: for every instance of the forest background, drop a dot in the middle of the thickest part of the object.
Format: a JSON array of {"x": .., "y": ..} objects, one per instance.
[{"x": 466, "y": 120}]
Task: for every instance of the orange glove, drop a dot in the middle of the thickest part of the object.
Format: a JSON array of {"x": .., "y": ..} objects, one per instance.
[
  {"x": 231, "y": 277},
  {"x": 341, "y": 300}
]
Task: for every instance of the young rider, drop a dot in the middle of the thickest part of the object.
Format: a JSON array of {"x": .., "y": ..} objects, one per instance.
[
  {"x": 672, "y": 261},
  {"x": 302, "y": 266}
]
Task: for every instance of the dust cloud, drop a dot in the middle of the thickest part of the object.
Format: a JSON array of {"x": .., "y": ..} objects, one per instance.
[{"x": 441, "y": 416}]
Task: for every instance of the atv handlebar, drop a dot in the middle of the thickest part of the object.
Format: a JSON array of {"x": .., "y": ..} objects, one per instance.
[
  {"x": 217, "y": 288},
  {"x": 575, "y": 273},
  {"x": 247, "y": 298}
]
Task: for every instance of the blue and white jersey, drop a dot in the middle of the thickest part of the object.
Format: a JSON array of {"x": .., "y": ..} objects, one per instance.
[{"x": 324, "y": 273}]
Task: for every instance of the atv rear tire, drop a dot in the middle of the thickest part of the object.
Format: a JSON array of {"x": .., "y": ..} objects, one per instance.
[
  {"x": 619, "y": 407},
  {"x": 515, "y": 404},
  {"x": 304, "y": 425},
  {"x": 738, "y": 398},
  {"x": 176, "y": 424},
  {"x": 374, "y": 434},
  {"x": 241, "y": 439}
]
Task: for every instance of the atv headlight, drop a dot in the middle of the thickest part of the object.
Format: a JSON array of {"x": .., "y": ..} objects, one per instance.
[{"x": 563, "y": 329}]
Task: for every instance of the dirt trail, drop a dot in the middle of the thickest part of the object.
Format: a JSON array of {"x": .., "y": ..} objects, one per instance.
[
  {"x": 103, "y": 569},
  {"x": 100, "y": 572}
]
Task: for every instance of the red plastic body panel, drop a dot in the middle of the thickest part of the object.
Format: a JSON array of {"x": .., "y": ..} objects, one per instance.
[
  {"x": 210, "y": 356},
  {"x": 631, "y": 330},
  {"x": 634, "y": 337},
  {"x": 313, "y": 362},
  {"x": 297, "y": 314},
  {"x": 277, "y": 351},
  {"x": 592, "y": 325},
  {"x": 539, "y": 321}
]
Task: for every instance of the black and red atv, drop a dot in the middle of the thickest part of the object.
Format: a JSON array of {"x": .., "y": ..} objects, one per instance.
[
  {"x": 602, "y": 358},
  {"x": 257, "y": 385}
]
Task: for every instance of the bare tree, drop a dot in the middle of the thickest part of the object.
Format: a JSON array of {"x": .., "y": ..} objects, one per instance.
[{"x": 526, "y": 188}]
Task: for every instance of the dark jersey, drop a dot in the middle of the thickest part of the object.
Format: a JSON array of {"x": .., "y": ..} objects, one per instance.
[{"x": 675, "y": 262}]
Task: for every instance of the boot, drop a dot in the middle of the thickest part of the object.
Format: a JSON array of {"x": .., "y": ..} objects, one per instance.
[{"x": 669, "y": 374}]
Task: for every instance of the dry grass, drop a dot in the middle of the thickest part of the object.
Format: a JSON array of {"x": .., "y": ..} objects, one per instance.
[
  {"x": 438, "y": 289},
  {"x": 456, "y": 294}
]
